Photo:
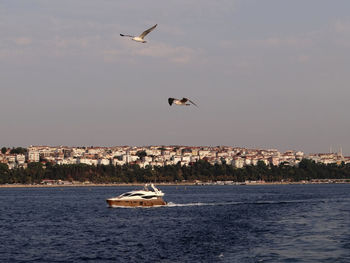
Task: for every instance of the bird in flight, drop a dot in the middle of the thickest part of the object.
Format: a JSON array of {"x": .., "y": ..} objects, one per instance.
[
  {"x": 182, "y": 102},
  {"x": 140, "y": 38}
]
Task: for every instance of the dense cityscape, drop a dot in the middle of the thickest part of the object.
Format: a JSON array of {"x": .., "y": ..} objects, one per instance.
[{"x": 159, "y": 156}]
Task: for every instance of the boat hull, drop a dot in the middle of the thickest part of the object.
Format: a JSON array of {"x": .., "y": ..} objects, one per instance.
[{"x": 136, "y": 203}]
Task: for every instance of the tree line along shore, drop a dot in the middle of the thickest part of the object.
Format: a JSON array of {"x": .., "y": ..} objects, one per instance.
[{"x": 200, "y": 171}]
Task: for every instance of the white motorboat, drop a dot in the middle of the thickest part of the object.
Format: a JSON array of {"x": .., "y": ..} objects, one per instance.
[{"x": 149, "y": 196}]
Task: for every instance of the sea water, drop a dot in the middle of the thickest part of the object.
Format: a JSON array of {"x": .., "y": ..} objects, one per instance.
[{"x": 272, "y": 223}]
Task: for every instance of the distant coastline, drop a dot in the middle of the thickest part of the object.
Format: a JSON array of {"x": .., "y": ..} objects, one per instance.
[{"x": 172, "y": 184}]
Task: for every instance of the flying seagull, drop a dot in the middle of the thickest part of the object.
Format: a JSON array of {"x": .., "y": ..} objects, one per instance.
[
  {"x": 182, "y": 102},
  {"x": 140, "y": 37}
]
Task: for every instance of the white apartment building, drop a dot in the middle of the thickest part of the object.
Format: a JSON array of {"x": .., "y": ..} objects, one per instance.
[
  {"x": 87, "y": 161},
  {"x": 186, "y": 159},
  {"x": 154, "y": 152},
  {"x": 33, "y": 156},
  {"x": 176, "y": 158},
  {"x": 194, "y": 158},
  {"x": 238, "y": 162},
  {"x": 11, "y": 158},
  {"x": 247, "y": 161},
  {"x": 66, "y": 161},
  {"x": 116, "y": 162},
  {"x": 182, "y": 163},
  {"x": 169, "y": 162},
  {"x": 274, "y": 160},
  {"x": 103, "y": 161},
  {"x": 148, "y": 159},
  {"x": 203, "y": 153}
]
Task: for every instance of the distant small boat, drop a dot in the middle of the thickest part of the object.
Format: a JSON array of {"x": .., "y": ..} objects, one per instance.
[{"x": 139, "y": 198}]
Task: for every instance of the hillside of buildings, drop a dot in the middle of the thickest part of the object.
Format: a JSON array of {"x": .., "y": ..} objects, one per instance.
[{"x": 125, "y": 164}]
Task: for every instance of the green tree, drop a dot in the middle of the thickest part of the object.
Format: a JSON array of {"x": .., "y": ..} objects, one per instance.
[
  {"x": 141, "y": 154},
  {"x": 18, "y": 150},
  {"x": 4, "y": 173},
  {"x": 201, "y": 170},
  {"x": 3, "y": 150}
]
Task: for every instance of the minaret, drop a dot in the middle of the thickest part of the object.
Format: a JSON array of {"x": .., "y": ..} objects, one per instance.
[{"x": 127, "y": 157}]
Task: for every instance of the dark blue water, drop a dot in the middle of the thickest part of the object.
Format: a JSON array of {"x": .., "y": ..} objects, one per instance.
[{"x": 286, "y": 223}]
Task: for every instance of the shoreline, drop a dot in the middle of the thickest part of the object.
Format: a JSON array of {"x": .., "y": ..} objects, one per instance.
[{"x": 161, "y": 184}]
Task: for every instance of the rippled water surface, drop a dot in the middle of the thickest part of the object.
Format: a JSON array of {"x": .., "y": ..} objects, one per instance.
[{"x": 280, "y": 223}]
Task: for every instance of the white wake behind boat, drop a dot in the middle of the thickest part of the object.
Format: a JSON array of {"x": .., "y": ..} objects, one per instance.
[{"x": 148, "y": 196}]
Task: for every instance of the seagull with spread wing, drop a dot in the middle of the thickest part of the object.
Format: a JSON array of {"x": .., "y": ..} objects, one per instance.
[
  {"x": 140, "y": 38},
  {"x": 182, "y": 102}
]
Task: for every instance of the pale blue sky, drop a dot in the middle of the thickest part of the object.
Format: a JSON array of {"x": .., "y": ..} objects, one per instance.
[{"x": 265, "y": 74}]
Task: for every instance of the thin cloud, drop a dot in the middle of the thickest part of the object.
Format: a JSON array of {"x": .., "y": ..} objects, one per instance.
[
  {"x": 67, "y": 43},
  {"x": 175, "y": 54},
  {"x": 23, "y": 41},
  {"x": 280, "y": 42},
  {"x": 270, "y": 42},
  {"x": 303, "y": 58},
  {"x": 127, "y": 49},
  {"x": 342, "y": 33},
  {"x": 342, "y": 27}
]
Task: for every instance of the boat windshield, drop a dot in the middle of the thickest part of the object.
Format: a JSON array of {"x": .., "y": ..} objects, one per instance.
[
  {"x": 137, "y": 194},
  {"x": 126, "y": 194}
]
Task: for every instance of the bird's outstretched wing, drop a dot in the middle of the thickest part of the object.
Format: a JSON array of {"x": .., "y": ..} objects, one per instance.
[
  {"x": 144, "y": 33},
  {"x": 170, "y": 100},
  {"x": 126, "y": 35},
  {"x": 184, "y": 100},
  {"x": 193, "y": 103}
]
